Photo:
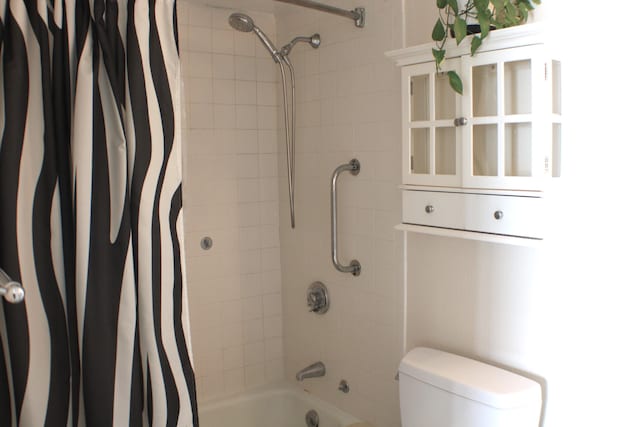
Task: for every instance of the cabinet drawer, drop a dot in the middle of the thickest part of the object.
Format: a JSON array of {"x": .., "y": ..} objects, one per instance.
[
  {"x": 507, "y": 215},
  {"x": 436, "y": 209}
]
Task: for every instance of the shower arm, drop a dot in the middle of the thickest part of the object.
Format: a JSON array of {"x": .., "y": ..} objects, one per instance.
[{"x": 357, "y": 14}]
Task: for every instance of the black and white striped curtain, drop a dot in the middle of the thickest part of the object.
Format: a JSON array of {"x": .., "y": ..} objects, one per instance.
[{"x": 91, "y": 216}]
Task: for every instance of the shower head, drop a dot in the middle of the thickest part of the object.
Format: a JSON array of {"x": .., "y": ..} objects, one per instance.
[
  {"x": 241, "y": 22},
  {"x": 313, "y": 40},
  {"x": 244, "y": 23}
]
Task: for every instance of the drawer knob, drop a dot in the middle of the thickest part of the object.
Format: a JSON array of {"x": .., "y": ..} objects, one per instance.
[
  {"x": 429, "y": 209},
  {"x": 498, "y": 215}
]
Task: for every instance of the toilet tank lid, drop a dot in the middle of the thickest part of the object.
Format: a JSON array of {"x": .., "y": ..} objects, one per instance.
[{"x": 471, "y": 379}]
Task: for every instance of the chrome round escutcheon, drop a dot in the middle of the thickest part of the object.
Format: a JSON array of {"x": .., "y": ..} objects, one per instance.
[
  {"x": 498, "y": 215},
  {"x": 429, "y": 209},
  {"x": 318, "y": 298}
]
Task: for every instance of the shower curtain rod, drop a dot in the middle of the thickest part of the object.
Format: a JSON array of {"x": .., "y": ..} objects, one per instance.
[{"x": 356, "y": 14}]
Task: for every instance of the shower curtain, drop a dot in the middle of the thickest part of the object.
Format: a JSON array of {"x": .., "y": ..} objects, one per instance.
[{"x": 91, "y": 216}]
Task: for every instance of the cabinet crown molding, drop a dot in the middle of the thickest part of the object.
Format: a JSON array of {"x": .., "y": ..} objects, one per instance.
[{"x": 522, "y": 35}]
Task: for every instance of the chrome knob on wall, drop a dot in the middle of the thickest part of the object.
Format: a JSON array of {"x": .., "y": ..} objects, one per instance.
[{"x": 318, "y": 298}]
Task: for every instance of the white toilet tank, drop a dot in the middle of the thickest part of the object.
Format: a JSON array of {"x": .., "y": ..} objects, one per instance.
[{"x": 439, "y": 389}]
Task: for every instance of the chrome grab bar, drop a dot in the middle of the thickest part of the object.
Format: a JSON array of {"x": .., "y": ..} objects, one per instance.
[
  {"x": 354, "y": 266},
  {"x": 11, "y": 290}
]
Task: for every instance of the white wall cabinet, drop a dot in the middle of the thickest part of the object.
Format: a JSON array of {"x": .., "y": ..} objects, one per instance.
[{"x": 480, "y": 162}]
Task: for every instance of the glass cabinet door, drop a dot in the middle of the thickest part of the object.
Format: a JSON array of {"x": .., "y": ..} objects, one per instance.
[
  {"x": 504, "y": 135},
  {"x": 431, "y": 140}
]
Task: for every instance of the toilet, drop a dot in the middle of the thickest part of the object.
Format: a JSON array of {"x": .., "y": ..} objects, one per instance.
[{"x": 439, "y": 389}]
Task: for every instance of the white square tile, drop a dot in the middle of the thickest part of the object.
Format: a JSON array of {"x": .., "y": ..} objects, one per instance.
[
  {"x": 244, "y": 44},
  {"x": 248, "y": 190},
  {"x": 267, "y": 70},
  {"x": 245, "y": 68},
  {"x": 273, "y": 348},
  {"x": 224, "y": 116},
  {"x": 222, "y": 41},
  {"x": 271, "y": 282},
  {"x": 248, "y": 165},
  {"x": 269, "y": 189},
  {"x": 246, "y": 92},
  {"x": 268, "y": 165},
  {"x": 223, "y": 66},
  {"x": 224, "y": 91},
  {"x": 274, "y": 369},
  {"x": 248, "y": 214},
  {"x": 199, "y": 15},
  {"x": 249, "y": 237},
  {"x": 266, "y": 94},
  {"x": 200, "y": 91},
  {"x": 250, "y": 285},
  {"x": 234, "y": 381},
  {"x": 254, "y": 353},
  {"x": 272, "y": 305},
  {"x": 233, "y": 357},
  {"x": 200, "y": 65},
  {"x": 273, "y": 327},
  {"x": 200, "y": 39},
  {"x": 269, "y": 236},
  {"x": 270, "y": 259},
  {"x": 253, "y": 331},
  {"x": 247, "y": 141},
  {"x": 232, "y": 335},
  {"x": 247, "y": 117},
  {"x": 267, "y": 117},
  {"x": 268, "y": 141},
  {"x": 255, "y": 375},
  {"x": 201, "y": 116},
  {"x": 252, "y": 308}
]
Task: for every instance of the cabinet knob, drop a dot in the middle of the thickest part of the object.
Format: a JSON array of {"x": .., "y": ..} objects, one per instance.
[
  {"x": 460, "y": 121},
  {"x": 429, "y": 209},
  {"x": 498, "y": 215}
]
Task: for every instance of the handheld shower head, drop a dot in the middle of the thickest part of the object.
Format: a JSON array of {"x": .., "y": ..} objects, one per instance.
[
  {"x": 241, "y": 22},
  {"x": 244, "y": 23}
]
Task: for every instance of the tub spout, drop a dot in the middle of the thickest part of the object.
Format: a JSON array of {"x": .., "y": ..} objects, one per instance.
[{"x": 312, "y": 371}]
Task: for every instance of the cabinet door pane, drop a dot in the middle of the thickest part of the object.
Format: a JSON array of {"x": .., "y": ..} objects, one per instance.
[
  {"x": 420, "y": 151},
  {"x": 518, "y": 149},
  {"x": 445, "y": 99},
  {"x": 517, "y": 87},
  {"x": 556, "y": 75},
  {"x": 485, "y": 150},
  {"x": 445, "y": 151},
  {"x": 485, "y": 90},
  {"x": 420, "y": 98},
  {"x": 557, "y": 150}
]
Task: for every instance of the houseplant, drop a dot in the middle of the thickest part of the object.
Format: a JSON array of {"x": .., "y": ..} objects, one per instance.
[{"x": 474, "y": 18}]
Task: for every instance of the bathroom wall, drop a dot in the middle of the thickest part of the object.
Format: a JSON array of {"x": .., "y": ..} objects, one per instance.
[
  {"x": 565, "y": 314},
  {"x": 231, "y": 195},
  {"x": 348, "y": 106}
]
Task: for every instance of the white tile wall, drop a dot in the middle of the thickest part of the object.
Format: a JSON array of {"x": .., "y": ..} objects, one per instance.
[
  {"x": 348, "y": 106},
  {"x": 231, "y": 194}
]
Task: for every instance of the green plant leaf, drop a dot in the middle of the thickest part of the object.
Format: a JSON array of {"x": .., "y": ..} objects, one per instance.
[
  {"x": 484, "y": 19},
  {"x": 441, "y": 3},
  {"x": 455, "y": 82},
  {"x": 438, "y": 54},
  {"x": 460, "y": 28},
  {"x": 453, "y": 4},
  {"x": 476, "y": 42},
  {"x": 439, "y": 33}
]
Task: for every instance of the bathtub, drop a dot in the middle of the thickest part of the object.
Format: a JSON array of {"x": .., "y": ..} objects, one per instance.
[{"x": 280, "y": 406}]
